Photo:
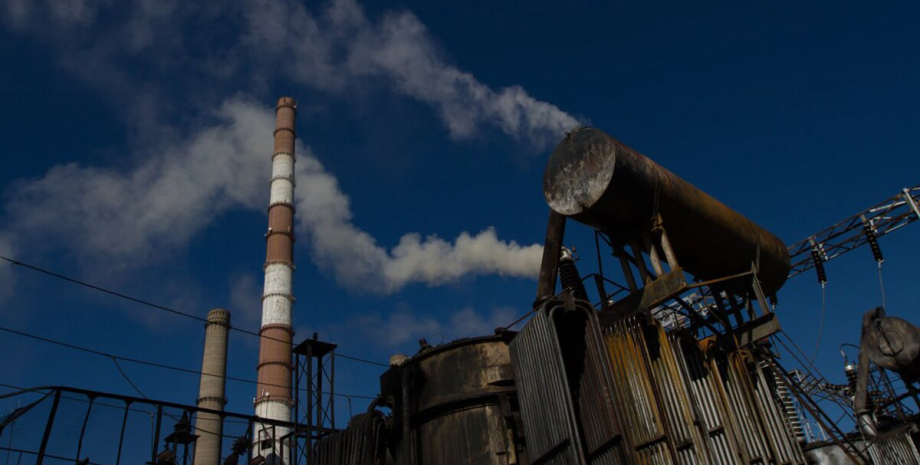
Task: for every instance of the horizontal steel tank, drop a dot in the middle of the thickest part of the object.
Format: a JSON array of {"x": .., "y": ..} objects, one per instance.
[
  {"x": 455, "y": 404},
  {"x": 596, "y": 180}
]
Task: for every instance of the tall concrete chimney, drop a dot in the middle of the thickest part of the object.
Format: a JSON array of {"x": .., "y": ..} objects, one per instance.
[
  {"x": 211, "y": 389},
  {"x": 273, "y": 398}
]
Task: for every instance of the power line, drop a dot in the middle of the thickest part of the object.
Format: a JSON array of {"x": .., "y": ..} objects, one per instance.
[
  {"x": 149, "y": 363},
  {"x": 161, "y": 307}
]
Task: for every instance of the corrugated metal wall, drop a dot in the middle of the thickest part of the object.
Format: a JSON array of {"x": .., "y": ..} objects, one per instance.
[
  {"x": 563, "y": 384},
  {"x": 359, "y": 444},
  {"x": 675, "y": 400},
  {"x": 895, "y": 448}
]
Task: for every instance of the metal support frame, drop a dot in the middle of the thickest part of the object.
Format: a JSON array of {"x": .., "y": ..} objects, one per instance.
[
  {"x": 94, "y": 398},
  {"x": 48, "y": 426},
  {"x": 732, "y": 305},
  {"x": 884, "y": 218},
  {"x": 314, "y": 416}
]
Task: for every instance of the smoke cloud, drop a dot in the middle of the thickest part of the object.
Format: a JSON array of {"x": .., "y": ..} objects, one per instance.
[
  {"x": 133, "y": 216},
  {"x": 180, "y": 185},
  {"x": 342, "y": 45},
  {"x": 178, "y": 190},
  {"x": 334, "y": 50}
]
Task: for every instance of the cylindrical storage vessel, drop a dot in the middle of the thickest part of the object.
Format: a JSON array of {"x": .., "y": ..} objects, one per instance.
[
  {"x": 594, "y": 179},
  {"x": 455, "y": 404}
]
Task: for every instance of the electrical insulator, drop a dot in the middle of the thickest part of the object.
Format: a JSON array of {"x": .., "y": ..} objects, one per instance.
[
  {"x": 872, "y": 238},
  {"x": 570, "y": 277},
  {"x": 818, "y": 259}
]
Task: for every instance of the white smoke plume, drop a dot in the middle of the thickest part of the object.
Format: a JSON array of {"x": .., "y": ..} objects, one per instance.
[
  {"x": 179, "y": 189},
  {"x": 335, "y": 50},
  {"x": 175, "y": 192},
  {"x": 342, "y": 45},
  {"x": 181, "y": 185}
]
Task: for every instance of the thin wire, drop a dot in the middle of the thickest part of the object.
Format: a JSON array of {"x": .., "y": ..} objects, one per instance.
[
  {"x": 881, "y": 285},
  {"x": 161, "y": 307},
  {"x": 125, "y": 376},
  {"x": 151, "y": 364},
  {"x": 820, "y": 325}
]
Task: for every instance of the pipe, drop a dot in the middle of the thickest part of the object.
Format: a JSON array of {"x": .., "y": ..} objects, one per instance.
[
  {"x": 596, "y": 180},
  {"x": 552, "y": 248},
  {"x": 864, "y": 418}
]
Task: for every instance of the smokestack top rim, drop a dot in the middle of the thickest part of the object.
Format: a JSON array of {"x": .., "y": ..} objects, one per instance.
[
  {"x": 219, "y": 315},
  {"x": 286, "y": 102}
]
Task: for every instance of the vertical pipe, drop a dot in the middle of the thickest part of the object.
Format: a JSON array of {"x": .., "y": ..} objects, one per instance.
[
  {"x": 47, "y": 434},
  {"x": 210, "y": 426},
  {"x": 552, "y": 247},
  {"x": 273, "y": 395}
]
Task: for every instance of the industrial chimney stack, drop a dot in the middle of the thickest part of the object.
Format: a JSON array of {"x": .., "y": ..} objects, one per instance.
[
  {"x": 211, "y": 389},
  {"x": 273, "y": 398}
]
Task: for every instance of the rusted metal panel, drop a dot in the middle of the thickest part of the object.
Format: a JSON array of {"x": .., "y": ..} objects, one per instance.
[
  {"x": 706, "y": 399},
  {"x": 362, "y": 443},
  {"x": 653, "y": 396},
  {"x": 634, "y": 393},
  {"x": 596, "y": 180},
  {"x": 653, "y": 294},
  {"x": 762, "y": 431},
  {"x": 770, "y": 407},
  {"x": 563, "y": 383},
  {"x": 455, "y": 404},
  {"x": 733, "y": 377},
  {"x": 895, "y": 447}
]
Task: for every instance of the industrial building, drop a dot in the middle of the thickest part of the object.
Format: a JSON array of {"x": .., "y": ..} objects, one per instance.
[{"x": 671, "y": 359}]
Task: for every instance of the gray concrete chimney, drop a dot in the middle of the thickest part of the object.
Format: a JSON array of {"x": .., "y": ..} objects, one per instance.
[{"x": 211, "y": 390}]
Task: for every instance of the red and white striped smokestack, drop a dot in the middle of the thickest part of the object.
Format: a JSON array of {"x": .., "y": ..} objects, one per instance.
[{"x": 273, "y": 399}]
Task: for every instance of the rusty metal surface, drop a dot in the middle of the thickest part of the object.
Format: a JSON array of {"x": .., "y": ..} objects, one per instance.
[
  {"x": 598, "y": 181},
  {"x": 895, "y": 447},
  {"x": 362, "y": 443},
  {"x": 892, "y": 343},
  {"x": 763, "y": 432},
  {"x": 563, "y": 384},
  {"x": 707, "y": 400},
  {"x": 651, "y": 393},
  {"x": 552, "y": 247},
  {"x": 455, "y": 404}
]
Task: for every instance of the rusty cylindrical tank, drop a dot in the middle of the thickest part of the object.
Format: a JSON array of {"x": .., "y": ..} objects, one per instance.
[
  {"x": 596, "y": 180},
  {"x": 455, "y": 404}
]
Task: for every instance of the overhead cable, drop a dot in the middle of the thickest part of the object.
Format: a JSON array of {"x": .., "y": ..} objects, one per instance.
[{"x": 164, "y": 308}]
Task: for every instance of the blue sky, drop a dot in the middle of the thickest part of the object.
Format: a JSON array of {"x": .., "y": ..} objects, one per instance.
[{"x": 137, "y": 135}]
